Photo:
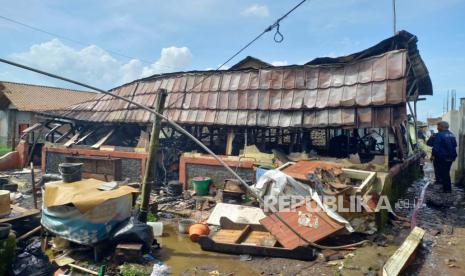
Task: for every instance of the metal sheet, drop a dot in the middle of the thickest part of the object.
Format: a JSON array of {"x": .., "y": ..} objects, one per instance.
[
  {"x": 277, "y": 79},
  {"x": 311, "y": 77},
  {"x": 298, "y": 99},
  {"x": 287, "y": 96},
  {"x": 289, "y": 79},
  {"x": 252, "y": 99},
  {"x": 322, "y": 98},
  {"x": 275, "y": 99},
  {"x": 242, "y": 100},
  {"x": 234, "y": 83},
  {"x": 378, "y": 93},
  {"x": 363, "y": 94},
  {"x": 365, "y": 71},
  {"x": 335, "y": 96},
  {"x": 324, "y": 78},
  {"x": 233, "y": 100},
  {"x": 264, "y": 99},
  {"x": 396, "y": 65},
  {"x": 244, "y": 81},
  {"x": 212, "y": 100},
  {"x": 310, "y": 98},
  {"x": 396, "y": 91},
  {"x": 351, "y": 75}
]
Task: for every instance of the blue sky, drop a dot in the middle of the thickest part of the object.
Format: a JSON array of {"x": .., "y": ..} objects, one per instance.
[{"x": 165, "y": 36}]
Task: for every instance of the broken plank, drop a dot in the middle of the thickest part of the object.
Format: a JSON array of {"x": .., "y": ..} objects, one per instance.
[
  {"x": 398, "y": 261},
  {"x": 103, "y": 140},
  {"x": 72, "y": 140}
]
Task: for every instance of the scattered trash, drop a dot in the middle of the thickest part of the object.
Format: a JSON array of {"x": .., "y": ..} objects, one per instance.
[
  {"x": 160, "y": 269},
  {"x": 32, "y": 262},
  {"x": 133, "y": 231},
  {"x": 245, "y": 257}
]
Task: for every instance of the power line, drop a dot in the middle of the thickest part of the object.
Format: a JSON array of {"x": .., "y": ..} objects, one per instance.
[
  {"x": 278, "y": 38},
  {"x": 74, "y": 40}
]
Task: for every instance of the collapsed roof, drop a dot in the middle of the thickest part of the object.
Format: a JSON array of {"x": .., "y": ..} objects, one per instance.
[{"x": 365, "y": 89}]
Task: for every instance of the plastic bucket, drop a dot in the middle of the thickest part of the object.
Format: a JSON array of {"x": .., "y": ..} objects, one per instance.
[
  {"x": 71, "y": 172},
  {"x": 201, "y": 185},
  {"x": 184, "y": 224},
  {"x": 157, "y": 228}
]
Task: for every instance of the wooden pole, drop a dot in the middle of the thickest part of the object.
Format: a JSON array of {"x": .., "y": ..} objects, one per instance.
[
  {"x": 151, "y": 157},
  {"x": 33, "y": 182}
]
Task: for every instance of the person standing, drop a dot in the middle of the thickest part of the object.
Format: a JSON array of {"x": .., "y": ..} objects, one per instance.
[{"x": 444, "y": 153}]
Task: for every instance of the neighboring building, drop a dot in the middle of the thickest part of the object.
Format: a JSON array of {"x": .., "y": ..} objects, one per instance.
[
  {"x": 250, "y": 62},
  {"x": 456, "y": 120},
  {"x": 433, "y": 123},
  {"x": 19, "y": 102}
]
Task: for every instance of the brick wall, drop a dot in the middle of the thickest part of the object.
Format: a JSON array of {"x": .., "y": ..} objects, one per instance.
[{"x": 217, "y": 173}]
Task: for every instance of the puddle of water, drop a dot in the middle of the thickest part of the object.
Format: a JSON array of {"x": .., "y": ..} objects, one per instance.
[{"x": 185, "y": 257}]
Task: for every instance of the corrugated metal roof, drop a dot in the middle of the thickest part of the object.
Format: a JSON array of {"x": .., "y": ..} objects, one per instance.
[
  {"x": 29, "y": 97},
  {"x": 289, "y": 96}
]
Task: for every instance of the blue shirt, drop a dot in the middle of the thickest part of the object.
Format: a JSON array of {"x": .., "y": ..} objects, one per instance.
[{"x": 444, "y": 144}]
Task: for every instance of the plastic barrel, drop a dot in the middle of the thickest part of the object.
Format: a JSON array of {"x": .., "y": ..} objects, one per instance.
[{"x": 201, "y": 185}]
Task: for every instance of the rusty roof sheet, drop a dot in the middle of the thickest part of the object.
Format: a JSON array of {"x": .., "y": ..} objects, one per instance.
[
  {"x": 289, "y": 96},
  {"x": 29, "y": 97}
]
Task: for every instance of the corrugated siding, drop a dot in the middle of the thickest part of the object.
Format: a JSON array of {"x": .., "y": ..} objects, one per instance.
[{"x": 366, "y": 92}]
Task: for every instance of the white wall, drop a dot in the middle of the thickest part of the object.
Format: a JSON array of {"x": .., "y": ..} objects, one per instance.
[{"x": 454, "y": 118}]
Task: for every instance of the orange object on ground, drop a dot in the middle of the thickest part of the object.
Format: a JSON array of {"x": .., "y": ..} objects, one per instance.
[
  {"x": 300, "y": 169},
  {"x": 197, "y": 230},
  {"x": 313, "y": 225}
]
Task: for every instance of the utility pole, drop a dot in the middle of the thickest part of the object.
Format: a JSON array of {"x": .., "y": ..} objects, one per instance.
[
  {"x": 394, "y": 16},
  {"x": 151, "y": 157}
]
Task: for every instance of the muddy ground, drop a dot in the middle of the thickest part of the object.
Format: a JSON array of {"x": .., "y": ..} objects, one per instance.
[{"x": 442, "y": 251}]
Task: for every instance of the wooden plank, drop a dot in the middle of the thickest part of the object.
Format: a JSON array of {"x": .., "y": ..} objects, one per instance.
[
  {"x": 72, "y": 140},
  {"x": 243, "y": 234},
  {"x": 367, "y": 177},
  {"x": 102, "y": 140},
  {"x": 19, "y": 213},
  {"x": 229, "y": 142},
  {"x": 398, "y": 261},
  {"x": 83, "y": 138}
]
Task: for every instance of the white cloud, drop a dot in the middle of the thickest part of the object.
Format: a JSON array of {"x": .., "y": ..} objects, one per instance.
[
  {"x": 279, "y": 63},
  {"x": 94, "y": 65},
  {"x": 256, "y": 10},
  {"x": 172, "y": 57}
]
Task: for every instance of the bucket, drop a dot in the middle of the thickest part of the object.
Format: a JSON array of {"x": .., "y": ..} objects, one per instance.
[
  {"x": 174, "y": 188},
  {"x": 197, "y": 230},
  {"x": 71, "y": 172},
  {"x": 4, "y": 230},
  {"x": 201, "y": 185},
  {"x": 157, "y": 228},
  {"x": 184, "y": 225},
  {"x": 4, "y": 203}
]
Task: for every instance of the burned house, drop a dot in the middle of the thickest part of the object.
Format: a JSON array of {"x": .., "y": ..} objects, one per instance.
[{"x": 358, "y": 109}]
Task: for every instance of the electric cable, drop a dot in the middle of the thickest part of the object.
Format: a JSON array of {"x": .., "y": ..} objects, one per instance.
[
  {"x": 278, "y": 38},
  {"x": 75, "y": 41}
]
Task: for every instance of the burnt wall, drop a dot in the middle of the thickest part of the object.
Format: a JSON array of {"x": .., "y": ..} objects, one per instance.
[
  {"x": 217, "y": 173},
  {"x": 130, "y": 167}
]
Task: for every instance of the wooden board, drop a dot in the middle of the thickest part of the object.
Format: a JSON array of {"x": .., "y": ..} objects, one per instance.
[
  {"x": 398, "y": 261},
  {"x": 18, "y": 213},
  {"x": 251, "y": 239},
  {"x": 325, "y": 226}
]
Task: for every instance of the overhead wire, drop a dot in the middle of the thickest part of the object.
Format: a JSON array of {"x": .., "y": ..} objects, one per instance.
[
  {"x": 52, "y": 34},
  {"x": 278, "y": 38}
]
